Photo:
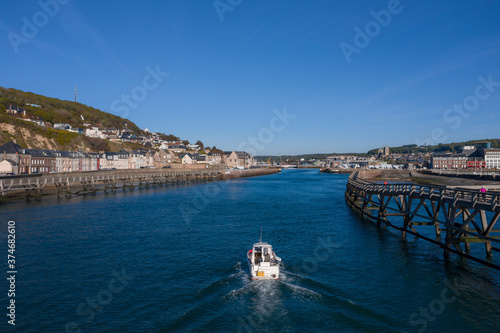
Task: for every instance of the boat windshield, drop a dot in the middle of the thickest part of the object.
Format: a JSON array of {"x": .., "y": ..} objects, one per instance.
[{"x": 263, "y": 253}]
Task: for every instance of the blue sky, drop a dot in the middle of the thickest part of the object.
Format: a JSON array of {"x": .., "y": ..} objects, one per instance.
[{"x": 348, "y": 75}]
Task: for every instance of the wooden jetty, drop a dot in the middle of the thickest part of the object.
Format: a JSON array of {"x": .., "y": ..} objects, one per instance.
[{"x": 459, "y": 217}]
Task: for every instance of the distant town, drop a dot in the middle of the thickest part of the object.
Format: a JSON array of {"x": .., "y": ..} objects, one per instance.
[
  {"x": 480, "y": 156},
  {"x": 16, "y": 160},
  {"x": 159, "y": 153}
]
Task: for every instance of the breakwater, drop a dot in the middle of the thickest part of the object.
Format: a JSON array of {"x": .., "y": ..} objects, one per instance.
[
  {"x": 90, "y": 182},
  {"x": 336, "y": 170},
  {"x": 230, "y": 174}
]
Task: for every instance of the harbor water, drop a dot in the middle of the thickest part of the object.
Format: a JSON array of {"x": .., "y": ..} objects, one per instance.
[{"x": 174, "y": 260}]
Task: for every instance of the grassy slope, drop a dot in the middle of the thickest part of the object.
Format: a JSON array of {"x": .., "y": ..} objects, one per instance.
[
  {"x": 55, "y": 110},
  {"x": 58, "y": 111}
]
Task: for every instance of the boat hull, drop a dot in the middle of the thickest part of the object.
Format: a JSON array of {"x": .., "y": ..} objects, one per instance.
[{"x": 263, "y": 270}]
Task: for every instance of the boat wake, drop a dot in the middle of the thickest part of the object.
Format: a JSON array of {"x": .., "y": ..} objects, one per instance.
[
  {"x": 253, "y": 305},
  {"x": 236, "y": 276}
]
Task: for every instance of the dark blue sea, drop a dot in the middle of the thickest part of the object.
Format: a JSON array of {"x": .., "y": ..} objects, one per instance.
[{"x": 173, "y": 260}]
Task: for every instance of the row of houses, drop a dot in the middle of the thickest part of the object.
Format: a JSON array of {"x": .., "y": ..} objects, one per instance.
[
  {"x": 470, "y": 158},
  {"x": 231, "y": 159},
  {"x": 18, "y": 160}
]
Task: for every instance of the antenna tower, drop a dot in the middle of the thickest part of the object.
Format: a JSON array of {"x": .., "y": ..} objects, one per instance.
[{"x": 76, "y": 93}]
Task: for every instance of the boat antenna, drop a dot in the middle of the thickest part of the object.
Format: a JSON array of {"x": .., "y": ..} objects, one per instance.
[{"x": 260, "y": 239}]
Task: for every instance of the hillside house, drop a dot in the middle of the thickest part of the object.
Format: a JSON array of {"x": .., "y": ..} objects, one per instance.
[
  {"x": 162, "y": 159},
  {"x": 14, "y": 109},
  {"x": 62, "y": 126},
  {"x": 94, "y": 132},
  {"x": 177, "y": 148},
  {"x": 188, "y": 159},
  {"x": 214, "y": 158},
  {"x": 238, "y": 159}
]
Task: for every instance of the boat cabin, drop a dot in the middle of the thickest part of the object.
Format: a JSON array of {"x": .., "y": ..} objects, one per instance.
[{"x": 262, "y": 253}]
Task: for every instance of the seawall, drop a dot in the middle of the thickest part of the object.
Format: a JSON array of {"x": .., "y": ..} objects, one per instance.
[
  {"x": 230, "y": 174},
  {"x": 83, "y": 183}
]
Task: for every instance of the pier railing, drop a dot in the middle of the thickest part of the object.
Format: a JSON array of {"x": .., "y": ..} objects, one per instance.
[{"x": 464, "y": 215}]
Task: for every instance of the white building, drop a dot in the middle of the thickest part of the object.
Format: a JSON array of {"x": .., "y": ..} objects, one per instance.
[
  {"x": 8, "y": 166},
  {"x": 188, "y": 159},
  {"x": 492, "y": 158},
  {"x": 62, "y": 126},
  {"x": 94, "y": 132}
]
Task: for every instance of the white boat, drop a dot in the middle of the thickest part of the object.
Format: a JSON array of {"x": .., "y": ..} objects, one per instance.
[{"x": 263, "y": 262}]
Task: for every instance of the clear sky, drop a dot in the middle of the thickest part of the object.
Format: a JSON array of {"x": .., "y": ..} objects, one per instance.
[{"x": 270, "y": 77}]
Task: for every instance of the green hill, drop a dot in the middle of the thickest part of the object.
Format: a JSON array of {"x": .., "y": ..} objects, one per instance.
[
  {"x": 55, "y": 110},
  {"x": 52, "y": 110}
]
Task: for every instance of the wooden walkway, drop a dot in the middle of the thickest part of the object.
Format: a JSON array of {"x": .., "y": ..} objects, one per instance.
[{"x": 459, "y": 217}]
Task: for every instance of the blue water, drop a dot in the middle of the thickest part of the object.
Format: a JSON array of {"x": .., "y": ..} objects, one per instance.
[{"x": 173, "y": 260}]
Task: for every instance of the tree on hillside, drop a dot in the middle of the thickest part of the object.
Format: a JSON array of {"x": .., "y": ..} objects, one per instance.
[
  {"x": 214, "y": 150},
  {"x": 200, "y": 144},
  {"x": 169, "y": 137},
  {"x": 96, "y": 144},
  {"x": 185, "y": 142},
  {"x": 7, "y": 101}
]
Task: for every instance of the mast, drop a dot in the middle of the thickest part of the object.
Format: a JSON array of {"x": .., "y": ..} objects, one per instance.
[{"x": 260, "y": 239}]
